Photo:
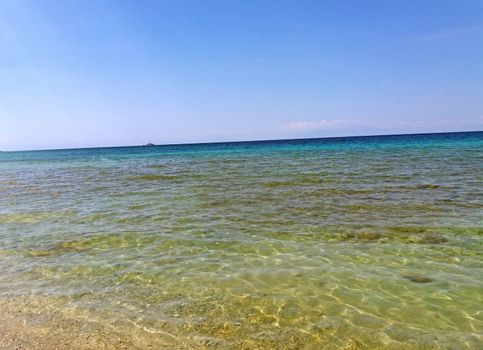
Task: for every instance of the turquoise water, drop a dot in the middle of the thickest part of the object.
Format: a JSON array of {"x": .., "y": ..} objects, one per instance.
[{"x": 347, "y": 243}]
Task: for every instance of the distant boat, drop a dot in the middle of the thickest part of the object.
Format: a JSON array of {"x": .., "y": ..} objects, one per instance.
[{"x": 149, "y": 144}]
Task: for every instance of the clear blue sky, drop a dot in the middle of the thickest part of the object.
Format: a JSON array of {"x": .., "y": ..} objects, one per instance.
[{"x": 99, "y": 73}]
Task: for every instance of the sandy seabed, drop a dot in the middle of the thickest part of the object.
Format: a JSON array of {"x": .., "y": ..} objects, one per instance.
[{"x": 24, "y": 326}]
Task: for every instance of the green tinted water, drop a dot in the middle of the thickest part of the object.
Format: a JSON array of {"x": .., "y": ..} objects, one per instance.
[{"x": 360, "y": 245}]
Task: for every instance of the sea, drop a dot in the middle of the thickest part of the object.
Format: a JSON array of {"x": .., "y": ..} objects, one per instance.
[{"x": 330, "y": 243}]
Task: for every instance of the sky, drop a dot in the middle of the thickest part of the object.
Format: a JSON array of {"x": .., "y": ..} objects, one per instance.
[{"x": 109, "y": 73}]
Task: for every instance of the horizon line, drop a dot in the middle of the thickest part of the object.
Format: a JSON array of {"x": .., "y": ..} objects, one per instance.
[{"x": 243, "y": 141}]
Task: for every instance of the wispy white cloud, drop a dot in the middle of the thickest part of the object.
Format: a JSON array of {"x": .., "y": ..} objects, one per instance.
[
  {"x": 323, "y": 124},
  {"x": 451, "y": 33},
  {"x": 409, "y": 125},
  {"x": 474, "y": 123}
]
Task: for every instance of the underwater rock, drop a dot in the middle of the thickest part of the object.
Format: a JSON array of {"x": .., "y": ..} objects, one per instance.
[
  {"x": 428, "y": 186},
  {"x": 289, "y": 311},
  {"x": 432, "y": 239},
  {"x": 36, "y": 253},
  {"x": 418, "y": 278},
  {"x": 59, "y": 249},
  {"x": 359, "y": 237},
  {"x": 369, "y": 236}
]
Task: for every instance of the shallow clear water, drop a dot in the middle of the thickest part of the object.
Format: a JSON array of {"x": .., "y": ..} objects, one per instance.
[{"x": 328, "y": 243}]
